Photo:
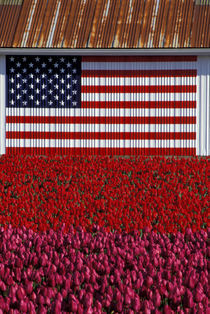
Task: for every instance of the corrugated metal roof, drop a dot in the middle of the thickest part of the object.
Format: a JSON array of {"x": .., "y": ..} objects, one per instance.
[{"x": 105, "y": 23}]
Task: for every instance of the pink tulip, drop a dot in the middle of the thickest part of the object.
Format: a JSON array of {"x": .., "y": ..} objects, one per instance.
[
  {"x": 127, "y": 299},
  {"x": 57, "y": 307},
  {"x": 64, "y": 293},
  {"x": 129, "y": 291},
  {"x": 42, "y": 309},
  {"x": 13, "y": 299},
  {"x": 29, "y": 287},
  {"x": 2, "y": 269},
  {"x": 81, "y": 294},
  {"x": 156, "y": 298},
  {"x": 89, "y": 310},
  {"x": 205, "y": 302},
  {"x": 149, "y": 281},
  {"x": 21, "y": 293},
  {"x": 88, "y": 300},
  {"x": 76, "y": 278},
  {"x": 23, "y": 306},
  {"x": 40, "y": 299},
  {"x": 73, "y": 304},
  {"x": 53, "y": 268},
  {"x": 33, "y": 296},
  {"x": 107, "y": 301},
  {"x": 67, "y": 284},
  {"x": 167, "y": 309},
  {"x": 136, "y": 305},
  {"x": 80, "y": 309},
  {"x": 98, "y": 306},
  {"x": 198, "y": 296},
  {"x": 2, "y": 286}
]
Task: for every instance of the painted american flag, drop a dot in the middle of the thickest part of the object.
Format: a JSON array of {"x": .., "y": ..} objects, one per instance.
[{"x": 101, "y": 105}]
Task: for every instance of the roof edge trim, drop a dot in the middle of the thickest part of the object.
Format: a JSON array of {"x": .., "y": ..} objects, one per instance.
[{"x": 106, "y": 52}]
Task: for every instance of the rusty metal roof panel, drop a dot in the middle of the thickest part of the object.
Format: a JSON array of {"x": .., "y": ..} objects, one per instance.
[
  {"x": 105, "y": 23},
  {"x": 9, "y": 15}
]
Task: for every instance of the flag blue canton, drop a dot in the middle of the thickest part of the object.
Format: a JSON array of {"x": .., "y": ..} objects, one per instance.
[{"x": 44, "y": 81}]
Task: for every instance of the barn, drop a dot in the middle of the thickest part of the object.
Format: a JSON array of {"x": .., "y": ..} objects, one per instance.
[{"x": 105, "y": 77}]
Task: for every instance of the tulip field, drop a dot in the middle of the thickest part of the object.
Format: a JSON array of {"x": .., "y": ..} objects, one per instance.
[{"x": 104, "y": 234}]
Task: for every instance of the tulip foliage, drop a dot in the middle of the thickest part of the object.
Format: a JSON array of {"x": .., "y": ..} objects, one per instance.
[{"x": 103, "y": 235}]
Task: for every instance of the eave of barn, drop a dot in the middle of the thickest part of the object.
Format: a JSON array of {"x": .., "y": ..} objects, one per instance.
[{"x": 106, "y": 52}]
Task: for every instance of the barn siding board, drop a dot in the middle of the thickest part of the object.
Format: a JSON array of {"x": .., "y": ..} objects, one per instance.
[{"x": 203, "y": 101}]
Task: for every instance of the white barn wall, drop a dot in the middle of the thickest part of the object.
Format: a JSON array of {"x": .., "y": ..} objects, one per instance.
[
  {"x": 202, "y": 110},
  {"x": 203, "y": 105}
]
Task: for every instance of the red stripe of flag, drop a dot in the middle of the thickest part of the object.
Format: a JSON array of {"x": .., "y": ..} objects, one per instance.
[
  {"x": 139, "y": 89},
  {"x": 101, "y": 151},
  {"x": 138, "y": 73},
  {"x": 103, "y": 135},
  {"x": 106, "y": 120}
]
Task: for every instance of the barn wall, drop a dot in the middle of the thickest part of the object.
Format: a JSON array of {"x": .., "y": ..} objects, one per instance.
[
  {"x": 203, "y": 106},
  {"x": 137, "y": 144}
]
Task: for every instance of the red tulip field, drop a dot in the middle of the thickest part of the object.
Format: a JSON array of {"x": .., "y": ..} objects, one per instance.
[{"x": 104, "y": 234}]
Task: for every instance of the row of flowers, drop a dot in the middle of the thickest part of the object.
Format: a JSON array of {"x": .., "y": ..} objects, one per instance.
[
  {"x": 103, "y": 272},
  {"x": 167, "y": 195}
]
